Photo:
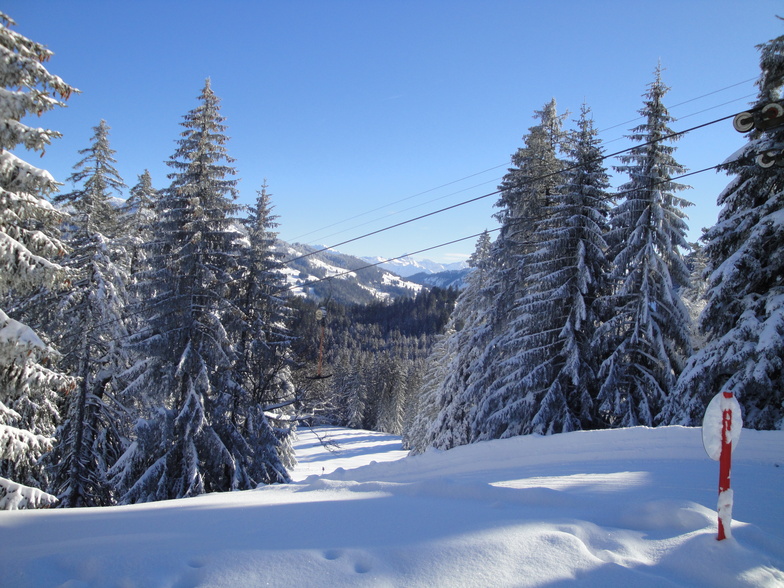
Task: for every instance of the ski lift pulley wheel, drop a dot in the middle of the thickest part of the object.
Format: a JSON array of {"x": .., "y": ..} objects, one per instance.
[
  {"x": 767, "y": 159},
  {"x": 743, "y": 122}
]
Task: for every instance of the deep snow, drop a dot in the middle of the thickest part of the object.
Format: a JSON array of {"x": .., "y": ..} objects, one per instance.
[{"x": 631, "y": 507}]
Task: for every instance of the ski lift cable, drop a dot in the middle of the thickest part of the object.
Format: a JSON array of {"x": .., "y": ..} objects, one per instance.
[
  {"x": 468, "y": 177},
  {"x": 370, "y": 265},
  {"x": 399, "y": 257},
  {"x": 364, "y": 267},
  {"x": 492, "y": 180},
  {"x": 688, "y": 101},
  {"x": 602, "y": 158},
  {"x": 693, "y": 113},
  {"x": 506, "y": 163},
  {"x": 495, "y": 192}
]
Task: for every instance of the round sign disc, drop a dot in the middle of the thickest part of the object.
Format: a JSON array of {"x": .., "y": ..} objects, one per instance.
[{"x": 712, "y": 424}]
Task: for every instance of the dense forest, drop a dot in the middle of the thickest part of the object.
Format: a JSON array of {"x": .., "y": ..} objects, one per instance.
[
  {"x": 373, "y": 358},
  {"x": 151, "y": 347}
]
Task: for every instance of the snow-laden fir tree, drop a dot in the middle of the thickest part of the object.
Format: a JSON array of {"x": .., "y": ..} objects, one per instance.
[
  {"x": 645, "y": 339},
  {"x": 553, "y": 364},
  {"x": 525, "y": 191},
  {"x": 744, "y": 316},
  {"x": 137, "y": 219},
  {"x": 468, "y": 330},
  {"x": 91, "y": 204},
  {"x": 90, "y": 318},
  {"x": 413, "y": 383},
  {"x": 28, "y": 245},
  {"x": 416, "y": 436},
  {"x": 529, "y": 191},
  {"x": 263, "y": 341},
  {"x": 389, "y": 394},
  {"x": 693, "y": 295},
  {"x": 349, "y": 390},
  {"x": 189, "y": 441}
]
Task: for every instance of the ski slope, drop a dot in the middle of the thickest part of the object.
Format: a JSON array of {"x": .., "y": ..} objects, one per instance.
[{"x": 630, "y": 507}]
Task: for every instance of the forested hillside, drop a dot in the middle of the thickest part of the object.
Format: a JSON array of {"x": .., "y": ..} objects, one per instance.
[{"x": 374, "y": 356}]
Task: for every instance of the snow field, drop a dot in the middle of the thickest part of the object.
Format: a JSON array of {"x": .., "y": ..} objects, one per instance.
[{"x": 624, "y": 507}]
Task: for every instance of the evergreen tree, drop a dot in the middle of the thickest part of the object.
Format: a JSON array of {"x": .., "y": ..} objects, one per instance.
[
  {"x": 565, "y": 269},
  {"x": 189, "y": 443},
  {"x": 469, "y": 326},
  {"x": 417, "y": 437},
  {"x": 693, "y": 295},
  {"x": 349, "y": 389},
  {"x": 93, "y": 211},
  {"x": 137, "y": 218},
  {"x": 413, "y": 383},
  {"x": 529, "y": 192},
  {"x": 744, "y": 315},
  {"x": 525, "y": 192},
  {"x": 28, "y": 245},
  {"x": 646, "y": 339},
  {"x": 90, "y": 438},
  {"x": 263, "y": 347},
  {"x": 391, "y": 395}
]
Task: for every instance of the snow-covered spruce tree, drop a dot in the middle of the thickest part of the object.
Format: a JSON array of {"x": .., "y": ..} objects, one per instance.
[
  {"x": 91, "y": 436},
  {"x": 413, "y": 383},
  {"x": 348, "y": 389},
  {"x": 138, "y": 213},
  {"x": 645, "y": 339},
  {"x": 469, "y": 326},
  {"x": 693, "y": 295},
  {"x": 554, "y": 366},
  {"x": 416, "y": 436},
  {"x": 744, "y": 316},
  {"x": 263, "y": 345},
  {"x": 28, "y": 244},
  {"x": 529, "y": 191},
  {"x": 390, "y": 392},
  {"x": 525, "y": 191},
  {"x": 92, "y": 208},
  {"x": 355, "y": 395},
  {"x": 188, "y": 442}
]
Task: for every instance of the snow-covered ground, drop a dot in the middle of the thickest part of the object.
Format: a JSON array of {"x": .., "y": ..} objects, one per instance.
[{"x": 633, "y": 507}]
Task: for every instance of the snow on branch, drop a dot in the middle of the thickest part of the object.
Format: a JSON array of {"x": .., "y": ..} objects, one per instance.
[
  {"x": 19, "y": 176},
  {"x": 21, "y": 269},
  {"x": 17, "y": 340},
  {"x": 15, "y": 496},
  {"x": 17, "y": 443}
]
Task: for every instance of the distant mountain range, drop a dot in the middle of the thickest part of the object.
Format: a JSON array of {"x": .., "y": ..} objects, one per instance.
[
  {"x": 305, "y": 276},
  {"x": 385, "y": 281},
  {"x": 407, "y": 266},
  {"x": 445, "y": 279}
]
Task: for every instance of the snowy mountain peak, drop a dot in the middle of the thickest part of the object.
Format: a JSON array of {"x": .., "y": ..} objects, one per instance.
[
  {"x": 331, "y": 274},
  {"x": 408, "y": 266}
]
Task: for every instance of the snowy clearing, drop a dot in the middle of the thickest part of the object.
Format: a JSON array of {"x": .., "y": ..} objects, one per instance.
[{"x": 632, "y": 507}]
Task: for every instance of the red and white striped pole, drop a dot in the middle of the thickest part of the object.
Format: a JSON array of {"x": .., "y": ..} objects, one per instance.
[
  {"x": 721, "y": 429},
  {"x": 725, "y": 464}
]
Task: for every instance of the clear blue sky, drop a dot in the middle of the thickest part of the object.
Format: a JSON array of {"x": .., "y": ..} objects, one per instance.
[{"x": 348, "y": 106}]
